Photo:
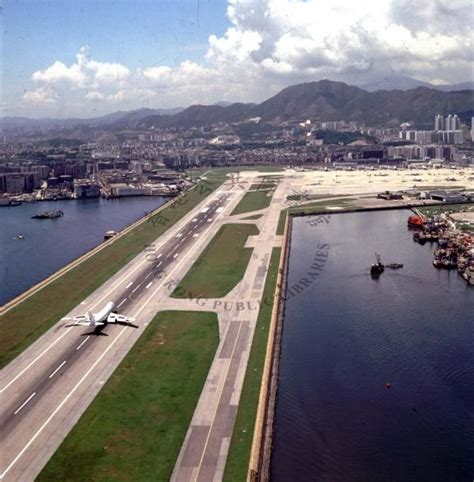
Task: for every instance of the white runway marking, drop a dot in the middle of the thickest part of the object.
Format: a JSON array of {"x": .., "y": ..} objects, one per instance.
[
  {"x": 83, "y": 341},
  {"x": 34, "y": 361},
  {"x": 129, "y": 284},
  {"x": 195, "y": 235},
  {"x": 159, "y": 256},
  {"x": 22, "y": 405},
  {"x": 122, "y": 302},
  {"x": 57, "y": 369},
  {"x": 68, "y": 396},
  {"x": 99, "y": 359},
  {"x": 135, "y": 289},
  {"x": 149, "y": 284},
  {"x": 179, "y": 235}
]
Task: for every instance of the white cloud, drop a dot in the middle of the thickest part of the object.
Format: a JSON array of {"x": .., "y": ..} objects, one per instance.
[
  {"x": 40, "y": 96},
  {"x": 273, "y": 43},
  {"x": 59, "y": 72}
]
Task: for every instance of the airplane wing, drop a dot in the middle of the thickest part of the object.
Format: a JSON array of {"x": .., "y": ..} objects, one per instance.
[
  {"x": 86, "y": 320},
  {"x": 88, "y": 323},
  {"x": 116, "y": 318}
]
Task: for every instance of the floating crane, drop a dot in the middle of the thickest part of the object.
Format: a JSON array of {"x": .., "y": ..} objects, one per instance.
[{"x": 378, "y": 267}]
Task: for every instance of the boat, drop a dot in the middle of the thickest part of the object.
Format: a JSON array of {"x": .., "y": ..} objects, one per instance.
[
  {"x": 48, "y": 215},
  {"x": 377, "y": 268},
  {"x": 110, "y": 234},
  {"x": 5, "y": 202},
  {"x": 416, "y": 221},
  {"x": 394, "y": 266}
]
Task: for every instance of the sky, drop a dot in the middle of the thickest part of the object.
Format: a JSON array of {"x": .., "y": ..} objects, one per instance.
[{"x": 84, "y": 58}]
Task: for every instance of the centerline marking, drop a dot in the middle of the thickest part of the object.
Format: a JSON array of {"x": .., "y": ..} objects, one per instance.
[
  {"x": 57, "y": 369},
  {"x": 68, "y": 396},
  {"x": 83, "y": 341},
  {"x": 24, "y": 403}
]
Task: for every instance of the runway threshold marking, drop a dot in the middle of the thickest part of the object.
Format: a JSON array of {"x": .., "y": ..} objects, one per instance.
[
  {"x": 24, "y": 404},
  {"x": 84, "y": 341},
  {"x": 57, "y": 369}
]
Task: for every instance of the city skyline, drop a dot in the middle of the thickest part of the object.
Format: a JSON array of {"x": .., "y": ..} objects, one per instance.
[{"x": 97, "y": 58}]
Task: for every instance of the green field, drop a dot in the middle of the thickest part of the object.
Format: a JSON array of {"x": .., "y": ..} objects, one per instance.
[
  {"x": 241, "y": 443},
  {"x": 263, "y": 185},
  {"x": 22, "y": 325},
  {"x": 281, "y": 223},
  {"x": 446, "y": 208},
  {"x": 134, "y": 428},
  {"x": 227, "y": 170},
  {"x": 255, "y": 216},
  {"x": 253, "y": 201},
  {"x": 221, "y": 265}
]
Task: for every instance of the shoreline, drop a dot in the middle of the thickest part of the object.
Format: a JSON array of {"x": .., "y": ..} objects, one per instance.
[
  {"x": 83, "y": 257},
  {"x": 260, "y": 456}
]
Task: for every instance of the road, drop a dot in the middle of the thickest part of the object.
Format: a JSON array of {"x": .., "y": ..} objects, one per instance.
[{"x": 46, "y": 389}]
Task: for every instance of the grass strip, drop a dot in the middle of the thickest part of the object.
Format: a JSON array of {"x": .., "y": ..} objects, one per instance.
[
  {"x": 253, "y": 201},
  {"x": 227, "y": 170},
  {"x": 23, "y": 324},
  {"x": 241, "y": 443},
  {"x": 221, "y": 265},
  {"x": 262, "y": 186},
  {"x": 281, "y": 223},
  {"x": 135, "y": 427},
  {"x": 255, "y": 216}
]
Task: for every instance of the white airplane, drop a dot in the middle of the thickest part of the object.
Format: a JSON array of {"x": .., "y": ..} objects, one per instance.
[{"x": 104, "y": 316}]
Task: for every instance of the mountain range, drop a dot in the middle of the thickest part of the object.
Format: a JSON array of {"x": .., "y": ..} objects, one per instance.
[{"x": 324, "y": 100}]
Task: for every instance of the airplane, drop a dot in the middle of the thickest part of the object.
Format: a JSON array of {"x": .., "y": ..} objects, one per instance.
[{"x": 103, "y": 317}]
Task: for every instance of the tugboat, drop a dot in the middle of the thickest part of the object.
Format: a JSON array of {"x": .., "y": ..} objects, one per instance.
[
  {"x": 48, "y": 215},
  {"x": 377, "y": 268}
]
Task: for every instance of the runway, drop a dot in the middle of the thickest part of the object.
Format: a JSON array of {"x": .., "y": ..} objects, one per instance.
[{"x": 46, "y": 389}]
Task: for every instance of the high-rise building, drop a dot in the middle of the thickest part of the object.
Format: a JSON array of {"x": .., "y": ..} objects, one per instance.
[
  {"x": 456, "y": 121},
  {"x": 438, "y": 123},
  {"x": 448, "y": 123}
]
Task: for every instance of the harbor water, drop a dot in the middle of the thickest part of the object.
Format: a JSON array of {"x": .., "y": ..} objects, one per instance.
[
  {"x": 50, "y": 244},
  {"x": 376, "y": 377}
]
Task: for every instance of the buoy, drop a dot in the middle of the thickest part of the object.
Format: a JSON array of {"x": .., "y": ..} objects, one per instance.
[{"x": 388, "y": 386}]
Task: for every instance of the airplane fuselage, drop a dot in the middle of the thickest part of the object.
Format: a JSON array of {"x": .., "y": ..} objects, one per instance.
[{"x": 104, "y": 313}]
